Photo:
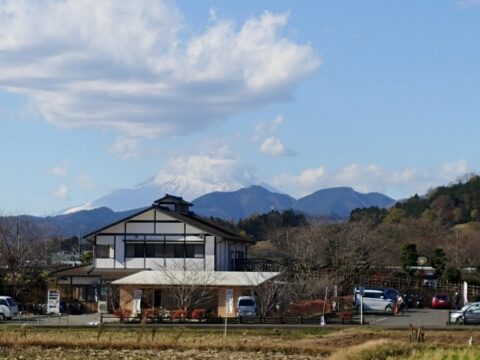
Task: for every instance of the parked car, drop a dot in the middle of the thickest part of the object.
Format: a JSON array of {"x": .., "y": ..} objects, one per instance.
[
  {"x": 376, "y": 299},
  {"x": 246, "y": 306},
  {"x": 441, "y": 301},
  {"x": 470, "y": 312},
  {"x": 413, "y": 299},
  {"x": 8, "y": 308}
]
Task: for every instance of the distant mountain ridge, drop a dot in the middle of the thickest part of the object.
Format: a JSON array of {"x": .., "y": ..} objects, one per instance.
[
  {"x": 242, "y": 203},
  {"x": 144, "y": 193},
  {"x": 334, "y": 203},
  {"x": 340, "y": 201}
]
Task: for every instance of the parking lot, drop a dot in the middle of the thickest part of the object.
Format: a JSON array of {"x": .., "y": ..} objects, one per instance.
[{"x": 427, "y": 318}]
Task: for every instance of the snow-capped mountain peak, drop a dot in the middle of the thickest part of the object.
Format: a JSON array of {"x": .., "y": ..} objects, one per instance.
[{"x": 155, "y": 187}]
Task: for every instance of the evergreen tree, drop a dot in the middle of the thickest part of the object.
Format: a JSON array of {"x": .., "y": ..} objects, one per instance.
[
  {"x": 409, "y": 255},
  {"x": 439, "y": 262}
]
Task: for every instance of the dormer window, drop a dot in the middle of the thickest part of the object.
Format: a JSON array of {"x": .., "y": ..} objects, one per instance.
[{"x": 173, "y": 203}]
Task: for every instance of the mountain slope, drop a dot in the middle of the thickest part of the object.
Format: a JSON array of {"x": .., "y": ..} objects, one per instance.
[
  {"x": 242, "y": 203},
  {"x": 340, "y": 201},
  {"x": 228, "y": 205},
  {"x": 145, "y": 193},
  {"x": 80, "y": 222}
]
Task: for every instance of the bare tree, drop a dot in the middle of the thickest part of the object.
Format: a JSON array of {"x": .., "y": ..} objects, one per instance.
[
  {"x": 190, "y": 289},
  {"x": 302, "y": 260},
  {"x": 268, "y": 295},
  {"x": 21, "y": 253},
  {"x": 352, "y": 249}
]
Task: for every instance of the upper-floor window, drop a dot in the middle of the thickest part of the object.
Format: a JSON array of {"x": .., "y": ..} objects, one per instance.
[
  {"x": 134, "y": 250},
  {"x": 159, "y": 250}
]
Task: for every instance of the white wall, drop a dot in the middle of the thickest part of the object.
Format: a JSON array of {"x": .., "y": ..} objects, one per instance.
[{"x": 176, "y": 230}]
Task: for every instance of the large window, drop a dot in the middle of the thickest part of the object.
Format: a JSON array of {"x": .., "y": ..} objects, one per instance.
[
  {"x": 195, "y": 251},
  {"x": 134, "y": 250},
  {"x": 169, "y": 251},
  {"x": 154, "y": 250},
  {"x": 102, "y": 251}
]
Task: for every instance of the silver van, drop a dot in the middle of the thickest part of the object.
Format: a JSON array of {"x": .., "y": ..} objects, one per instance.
[
  {"x": 376, "y": 299},
  {"x": 246, "y": 306},
  {"x": 8, "y": 308}
]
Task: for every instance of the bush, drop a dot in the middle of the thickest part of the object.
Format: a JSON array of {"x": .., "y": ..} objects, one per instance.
[
  {"x": 199, "y": 313},
  {"x": 452, "y": 275},
  {"x": 179, "y": 314},
  {"x": 309, "y": 307},
  {"x": 122, "y": 314}
]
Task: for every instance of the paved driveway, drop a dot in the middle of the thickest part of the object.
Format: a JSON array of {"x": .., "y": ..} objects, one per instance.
[{"x": 428, "y": 318}]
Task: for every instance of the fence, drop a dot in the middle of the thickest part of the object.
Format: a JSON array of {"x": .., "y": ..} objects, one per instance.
[
  {"x": 401, "y": 283},
  {"x": 37, "y": 319},
  {"x": 331, "y": 318}
]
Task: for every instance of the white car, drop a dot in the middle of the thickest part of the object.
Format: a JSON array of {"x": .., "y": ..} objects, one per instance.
[{"x": 8, "y": 308}]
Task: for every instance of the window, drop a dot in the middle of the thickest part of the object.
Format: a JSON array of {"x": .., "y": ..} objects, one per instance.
[
  {"x": 246, "y": 302},
  {"x": 154, "y": 250},
  {"x": 179, "y": 250},
  {"x": 134, "y": 250},
  {"x": 102, "y": 251},
  {"x": 373, "y": 294},
  {"x": 195, "y": 251},
  {"x": 169, "y": 251}
]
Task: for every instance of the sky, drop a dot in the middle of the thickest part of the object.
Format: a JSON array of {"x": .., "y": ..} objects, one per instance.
[{"x": 301, "y": 95}]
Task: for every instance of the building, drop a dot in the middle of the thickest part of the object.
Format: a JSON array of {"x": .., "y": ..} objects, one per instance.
[{"x": 159, "y": 247}]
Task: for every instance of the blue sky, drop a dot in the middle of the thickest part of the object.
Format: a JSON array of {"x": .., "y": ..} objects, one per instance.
[{"x": 380, "y": 96}]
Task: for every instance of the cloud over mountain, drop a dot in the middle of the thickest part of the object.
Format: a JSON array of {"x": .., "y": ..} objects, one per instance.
[
  {"x": 372, "y": 177},
  {"x": 134, "y": 67}
]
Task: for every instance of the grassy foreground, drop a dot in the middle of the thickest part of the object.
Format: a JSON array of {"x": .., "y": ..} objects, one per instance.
[{"x": 280, "y": 343}]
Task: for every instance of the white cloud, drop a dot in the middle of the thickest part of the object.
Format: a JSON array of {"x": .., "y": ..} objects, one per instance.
[
  {"x": 273, "y": 146},
  {"x": 371, "y": 177},
  {"x": 219, "y": 169},
  {"x": 133, "y": 67},
  {"x": 124, "y": 148},
  {"x": 86, "y": 182},
  {"x": 61, "y": 171},
  {"x": 302, "y": 184},
  {"x": 267, "y": 128},
  {"x": 61, "y": 192}
]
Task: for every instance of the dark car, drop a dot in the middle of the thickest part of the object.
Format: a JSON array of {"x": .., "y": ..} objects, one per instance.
[
  {"x": 414, "y": 300},
  {"x": 441, "y": 301}
]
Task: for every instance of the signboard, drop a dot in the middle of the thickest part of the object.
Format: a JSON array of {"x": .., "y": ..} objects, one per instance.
[
  {"x": 53, "y": 302},
  {"x": 229, "y": 301}
]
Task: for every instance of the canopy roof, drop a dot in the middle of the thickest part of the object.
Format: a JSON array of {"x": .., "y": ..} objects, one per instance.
[{"x": 197, "y": 278}]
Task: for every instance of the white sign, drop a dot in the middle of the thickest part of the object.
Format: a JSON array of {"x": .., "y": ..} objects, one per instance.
[
  {"x": 53, "y": 302},
  {"x": 137, "y": 302},
  {"x": 229, "y": 301}
]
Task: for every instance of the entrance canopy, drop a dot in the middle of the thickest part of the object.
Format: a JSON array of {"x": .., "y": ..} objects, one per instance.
[{"x": 200, "y": 278}]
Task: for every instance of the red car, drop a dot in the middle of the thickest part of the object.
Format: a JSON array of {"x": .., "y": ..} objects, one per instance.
[{"x": 441, "y": 301}]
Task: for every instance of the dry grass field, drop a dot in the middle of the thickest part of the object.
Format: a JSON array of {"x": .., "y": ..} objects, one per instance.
[{"x": 280, "y": 343}]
